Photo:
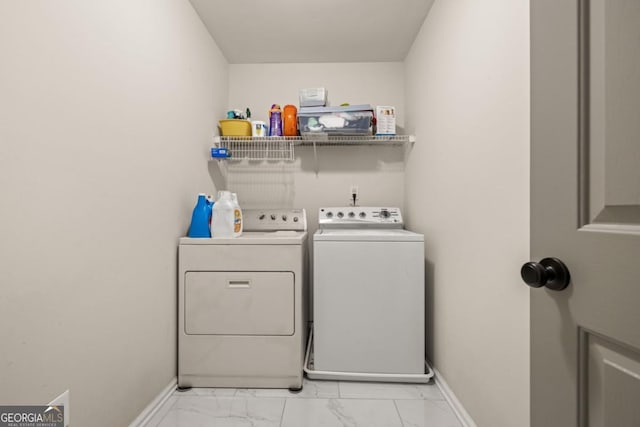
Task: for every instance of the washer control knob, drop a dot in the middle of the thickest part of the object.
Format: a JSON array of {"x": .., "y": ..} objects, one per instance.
[
  {"x": 384, "y": 213},
  {"x": 351, "y": 214},
  {"x": 261, "y": 217},
  {"x": 284, "y": 217},
  {"x": 329, "y": 214},
  {"x": 295, "y": 219},
  {"x": 273, "y": 217},
  {"x": 340, "y": 214},
  {"x": 362, "y": 214}
]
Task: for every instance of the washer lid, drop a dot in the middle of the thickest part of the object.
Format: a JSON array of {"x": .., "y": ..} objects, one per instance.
[
  {"x": 367, "y": 235},
  {"x": 252, "y": 238}
]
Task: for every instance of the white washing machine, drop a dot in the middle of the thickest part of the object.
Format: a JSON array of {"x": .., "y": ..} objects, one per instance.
[
  {"x": 368, "y": 298},
  {"x": 241, "y": 316}
]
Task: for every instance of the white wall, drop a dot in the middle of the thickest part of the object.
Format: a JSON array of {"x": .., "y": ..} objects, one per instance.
[
  {"x": 378, "y": 171},
  {"x": 467, "y": 190},
  {"x": 106, "y": 113}
]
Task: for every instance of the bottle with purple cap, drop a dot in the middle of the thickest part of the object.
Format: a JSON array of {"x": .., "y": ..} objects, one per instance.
[{"x": 275, "y": 121}]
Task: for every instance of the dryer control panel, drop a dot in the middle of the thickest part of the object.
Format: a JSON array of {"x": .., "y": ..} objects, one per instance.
[
  {"x": 360, "y": 217},
  {"x": 274, "y": 219}
]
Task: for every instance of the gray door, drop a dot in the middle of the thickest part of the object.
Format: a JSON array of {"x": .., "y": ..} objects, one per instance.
[{"x": 585, "y": 210}]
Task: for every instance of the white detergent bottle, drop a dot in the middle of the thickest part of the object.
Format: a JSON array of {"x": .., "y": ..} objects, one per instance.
[
  {"x": 222, "y": 218},
  {"x": 237, "y": 216}
]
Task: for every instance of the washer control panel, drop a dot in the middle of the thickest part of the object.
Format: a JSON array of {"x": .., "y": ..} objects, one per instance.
[
  {"x": 274, "y": 219},
  {"x": 360, "y": 217}
]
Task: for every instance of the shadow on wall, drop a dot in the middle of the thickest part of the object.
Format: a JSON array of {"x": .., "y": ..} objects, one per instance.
[
  {"x": 218, "y": 176},
  {"x": 340, "y": 158},
  {"x": 429, "y": 274},
  {"x": 260, "y": 184}
]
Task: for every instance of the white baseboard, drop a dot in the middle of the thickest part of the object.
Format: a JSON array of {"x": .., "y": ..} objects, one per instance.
[
  {"x": 151, "y": 409},
  {"x": 456, "y": 405}
]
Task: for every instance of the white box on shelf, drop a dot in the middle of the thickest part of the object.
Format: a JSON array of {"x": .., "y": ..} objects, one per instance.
[
  {"x": 385, "y": 120},
  {"x": 313, "y": 97}
]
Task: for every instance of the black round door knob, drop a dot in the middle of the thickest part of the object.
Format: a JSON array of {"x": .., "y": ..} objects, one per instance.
[{"x": 549, "y": 272}]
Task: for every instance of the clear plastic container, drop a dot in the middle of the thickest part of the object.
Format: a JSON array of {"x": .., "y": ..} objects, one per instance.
[
  {"x": 349, "y": 120},
  {"x": 313, "y": 97}
]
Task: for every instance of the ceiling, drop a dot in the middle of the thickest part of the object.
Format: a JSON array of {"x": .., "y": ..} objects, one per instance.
[{"x": 292, "y": 31}]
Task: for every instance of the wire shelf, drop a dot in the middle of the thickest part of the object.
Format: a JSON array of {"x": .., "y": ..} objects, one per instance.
[
  {"x": 326, "y": 139},
  {"x": 257, "y": 148},
  {"x": 282, "y": 148}
]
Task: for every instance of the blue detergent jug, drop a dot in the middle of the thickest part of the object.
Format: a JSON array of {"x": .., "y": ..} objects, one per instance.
[{"x": 200, "y": 218}]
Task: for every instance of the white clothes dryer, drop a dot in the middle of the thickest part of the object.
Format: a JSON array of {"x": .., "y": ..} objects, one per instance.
[
  {"x": 241, "y": 304},
  {"x": 368, "y": 298}
]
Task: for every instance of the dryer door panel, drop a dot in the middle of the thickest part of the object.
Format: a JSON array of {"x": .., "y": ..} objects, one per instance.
[{"x": 239, "y": 303}]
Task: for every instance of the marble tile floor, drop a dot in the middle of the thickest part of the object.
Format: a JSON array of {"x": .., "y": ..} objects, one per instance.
[{"x": 319, "y": 404}]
